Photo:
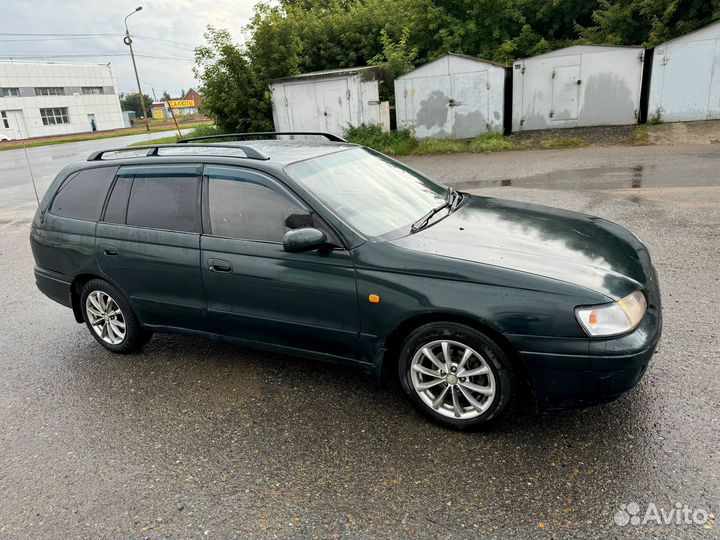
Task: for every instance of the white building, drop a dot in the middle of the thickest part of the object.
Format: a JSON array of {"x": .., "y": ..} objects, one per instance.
[
  {"x": 42, "y": 99},
  {"x": 582, "y": 85},
  {"x": 454, "y": 96},
  {"x": 329, "y": 101},
  {"x": 685, "y": 81}
]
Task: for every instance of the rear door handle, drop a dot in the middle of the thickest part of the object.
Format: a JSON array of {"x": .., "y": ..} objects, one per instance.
[
  {"x": 218, "y": 265},
  {"x": 109, "y": 251}
]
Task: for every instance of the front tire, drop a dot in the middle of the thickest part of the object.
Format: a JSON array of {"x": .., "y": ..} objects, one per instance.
[
  {"x": 110, "y": 319},
  {"x": 455, "y": 375}
]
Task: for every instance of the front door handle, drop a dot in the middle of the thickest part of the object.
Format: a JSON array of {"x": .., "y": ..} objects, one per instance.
[
  {"x": 109, "y": 251},
  {"x": 218, "y": 265}
]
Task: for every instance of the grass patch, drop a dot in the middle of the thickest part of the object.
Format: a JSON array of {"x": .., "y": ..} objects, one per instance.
[
  {"x": 491, "y": 142},
  {"x": 396, "y": 143},
  {"x": 640, "y": 137},
  {"x": 87, "y": 137},
  {"x": 440, "y": 146},
  {"x": 200, "y": 131},
  {"x": 550, "y": 143}
]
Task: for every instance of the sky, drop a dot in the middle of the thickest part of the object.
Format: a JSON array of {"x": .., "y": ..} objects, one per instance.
[{"x": 165, "y": 33}]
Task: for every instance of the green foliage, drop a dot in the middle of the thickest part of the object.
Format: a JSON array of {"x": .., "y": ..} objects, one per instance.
[
  {"x": 131, "y": 102},
  {"x": 656, "y": 118},
  {"x": 372, "y": 136},
  {"x": 647, "y": 22},
  {"x": 287, "y": 37},
  {"x": 233, "y": 94},
  {"x": 396, "y": 57},
  {"x": 491, "y": 142}
]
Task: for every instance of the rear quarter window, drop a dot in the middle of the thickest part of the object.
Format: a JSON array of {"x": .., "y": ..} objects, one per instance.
[{"x": 82, "y": 195}]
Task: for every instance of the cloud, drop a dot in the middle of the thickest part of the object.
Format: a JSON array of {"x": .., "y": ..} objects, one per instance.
[{"x": 165, "y": 33}]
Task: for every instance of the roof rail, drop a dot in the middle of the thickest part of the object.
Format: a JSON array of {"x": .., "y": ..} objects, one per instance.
[
  {"x": 263, "y": 134},
  {"x": 153, "y": 150}
]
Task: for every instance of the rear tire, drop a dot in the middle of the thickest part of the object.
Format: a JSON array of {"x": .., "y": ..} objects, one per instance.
[
  {"x": 456, "y": 375},
  {"x": 110, "y": 319}
]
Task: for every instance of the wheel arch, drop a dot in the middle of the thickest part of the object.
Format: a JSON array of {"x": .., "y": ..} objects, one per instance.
[
  {"x": 76, "y": 288},
  {"x": 388, "y": 360}
]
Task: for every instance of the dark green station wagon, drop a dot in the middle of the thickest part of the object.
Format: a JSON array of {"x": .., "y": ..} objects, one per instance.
[{"x": 309, "y": 245}]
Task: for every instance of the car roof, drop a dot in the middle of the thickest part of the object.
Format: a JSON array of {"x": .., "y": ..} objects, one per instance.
[
  {"x": 288, "y": 151},
  {"x": 291, "y": 148}
]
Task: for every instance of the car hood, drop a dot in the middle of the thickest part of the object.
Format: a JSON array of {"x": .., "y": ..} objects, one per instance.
[{"x": 575, "y": 248}]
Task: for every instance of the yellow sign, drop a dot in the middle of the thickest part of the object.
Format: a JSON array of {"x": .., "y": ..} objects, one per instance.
[
  {"x": 158, "y": 113},
  {"x": 182, "y": 103}
]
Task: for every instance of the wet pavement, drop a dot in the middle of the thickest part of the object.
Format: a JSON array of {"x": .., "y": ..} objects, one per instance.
[
  {"x": 42, "y": 163},
  {"x": 191, "y": 438}
]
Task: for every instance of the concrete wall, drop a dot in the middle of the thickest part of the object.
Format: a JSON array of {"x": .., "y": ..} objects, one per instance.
[
  {"x": 452, "y": 97},
  {"x": 329, "y": 104},
  {"x": 685, "y": 83},
  {"x": 577, "y": 86},
  {"x": 23, "y": 112}
]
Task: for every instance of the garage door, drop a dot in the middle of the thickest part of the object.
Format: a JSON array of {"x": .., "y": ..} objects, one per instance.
[{"x": 566, "y": 91}]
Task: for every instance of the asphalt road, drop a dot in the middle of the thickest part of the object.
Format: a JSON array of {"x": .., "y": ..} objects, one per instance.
[
  {"x": 195, "y": 439},
  {"x": 17, "y": 195}
]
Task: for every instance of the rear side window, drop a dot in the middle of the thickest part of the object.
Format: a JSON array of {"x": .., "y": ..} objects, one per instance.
[
  {"x": 83, "y": 194},
  {"x": 117, "y": 203},
  {"x": 242, "y": 205},
  {"x": 167, "y": 201}
]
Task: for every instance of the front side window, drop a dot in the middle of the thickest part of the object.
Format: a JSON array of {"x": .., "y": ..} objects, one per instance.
[
  {"x": 168, "y": 200},
  {"x": 243, "y": 205},
  {"x": 54, "y": 115},
  {"x": 83, "y": 194},
  {"x": 374, "y": 195},
  {"x": 92, "y": 89},
  {"x": 9, "y": 92},
  {"x": 49, "y": 91}
]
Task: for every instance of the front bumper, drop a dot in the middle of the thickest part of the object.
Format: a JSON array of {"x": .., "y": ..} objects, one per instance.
[{"x": 566, "y": 373}]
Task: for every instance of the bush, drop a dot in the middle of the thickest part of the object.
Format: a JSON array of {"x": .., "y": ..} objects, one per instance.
[
  {"x": 491, "y": 142},
  {"x": 395, "y": 143}
]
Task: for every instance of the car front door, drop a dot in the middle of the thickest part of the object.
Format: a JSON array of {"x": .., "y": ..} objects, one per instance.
[
  {"x": 148, "y": 243},
  {"x": 256, "y": 290}
]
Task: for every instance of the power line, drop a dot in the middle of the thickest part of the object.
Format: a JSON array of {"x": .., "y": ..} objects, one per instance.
[{"x": 31, "y": 34}]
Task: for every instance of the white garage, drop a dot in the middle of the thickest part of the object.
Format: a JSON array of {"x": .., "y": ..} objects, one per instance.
[
  {"x": 685, "y": 82},
  {"x": 583, "y": 85},
  {"x": 328, "y": 101},
  {"x": 455, "y": 96}
]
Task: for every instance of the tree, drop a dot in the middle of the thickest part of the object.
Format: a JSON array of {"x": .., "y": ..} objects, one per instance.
[
  {"x": 647, "y": 22},
  {"x": 131, "y": 102},
  {"x": 397, "y": 57},
  {"x": 232, "y": 93},
  {"x": 166, "y": 96}
]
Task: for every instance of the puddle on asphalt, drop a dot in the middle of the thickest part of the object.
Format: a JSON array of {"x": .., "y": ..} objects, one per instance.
[{"x": 600, "y": 178}]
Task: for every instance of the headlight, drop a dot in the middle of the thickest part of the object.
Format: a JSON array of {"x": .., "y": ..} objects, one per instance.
[{"x": 613, "y": 319}]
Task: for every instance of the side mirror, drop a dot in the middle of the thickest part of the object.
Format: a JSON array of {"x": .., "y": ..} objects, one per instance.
[{"x": 304, "y": 239}]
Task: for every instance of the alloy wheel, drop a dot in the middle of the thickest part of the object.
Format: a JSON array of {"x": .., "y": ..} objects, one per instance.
[
  {"x": 453, "y": 379},
  {"x": 105, "y": 317}
]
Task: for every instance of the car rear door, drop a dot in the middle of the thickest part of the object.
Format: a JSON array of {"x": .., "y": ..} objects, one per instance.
[
  {"x": 148, "y": 243},
  {"x": 255, "y": 289}
]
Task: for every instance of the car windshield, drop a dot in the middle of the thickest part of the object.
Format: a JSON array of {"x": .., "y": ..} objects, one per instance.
[{"x": 371, "y": 193}]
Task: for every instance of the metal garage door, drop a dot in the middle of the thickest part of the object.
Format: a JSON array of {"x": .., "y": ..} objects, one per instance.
[
  {"x": 565, "y": 93},
  {"x": 469, "y": 104},
  {"x": 301, "y": 107}
]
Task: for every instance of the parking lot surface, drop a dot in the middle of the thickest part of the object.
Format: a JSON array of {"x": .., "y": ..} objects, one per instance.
[{"x": 191, "y": 438}]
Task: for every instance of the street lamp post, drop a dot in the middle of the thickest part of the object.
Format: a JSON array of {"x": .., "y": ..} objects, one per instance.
[{"x": 128, "y": 42}]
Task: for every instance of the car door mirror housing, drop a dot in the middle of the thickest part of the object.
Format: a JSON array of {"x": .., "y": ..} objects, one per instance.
[{"x": 305, "y": 239}]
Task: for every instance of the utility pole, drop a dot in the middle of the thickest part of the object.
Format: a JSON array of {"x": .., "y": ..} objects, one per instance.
[{"x": 128, "y": 41}]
